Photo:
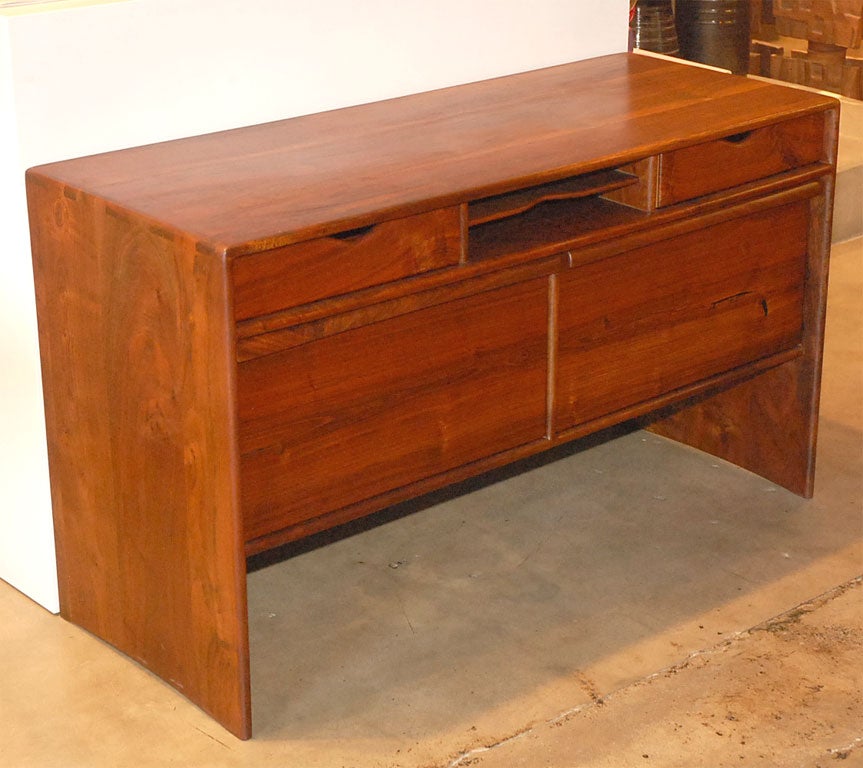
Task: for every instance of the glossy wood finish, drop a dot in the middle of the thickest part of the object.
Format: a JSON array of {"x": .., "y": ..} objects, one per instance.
[
  {"x": 769, "y": 424},
  {"x": 738, "y": 158},
  {"x": 522, "y": 200},
  {"x": 325, "y": 173},
  {"x": 359, "y": 413},
  {"x": 348, "y": 261},
  {"x": 639, "y": 323},
  {"x": 254, "y": 335},
  {"x": 136, "y": 346}
]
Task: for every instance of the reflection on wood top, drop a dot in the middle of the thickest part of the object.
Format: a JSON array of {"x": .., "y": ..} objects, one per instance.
[{"x": 266, "y": 185}]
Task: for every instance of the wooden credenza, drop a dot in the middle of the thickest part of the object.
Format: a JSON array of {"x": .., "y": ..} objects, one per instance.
[{"x": 254, "y": 335}]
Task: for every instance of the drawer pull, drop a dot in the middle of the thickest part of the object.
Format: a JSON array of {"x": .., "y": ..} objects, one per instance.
[
  {"x": 353, "y": 234},
  {"x": 737, "y": 138},
  {"x": 743, "y": 296}
]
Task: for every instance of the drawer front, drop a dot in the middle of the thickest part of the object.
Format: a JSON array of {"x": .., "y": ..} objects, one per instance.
[
  {"x": 652, "y": 320},
  {"x": 716, "y": 165},
  {"x": 353, "y": 415},
  {"x": 329, "y": 266}
]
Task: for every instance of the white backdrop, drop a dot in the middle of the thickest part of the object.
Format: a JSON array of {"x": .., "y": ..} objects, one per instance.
[{"x": 89, "y": 77}]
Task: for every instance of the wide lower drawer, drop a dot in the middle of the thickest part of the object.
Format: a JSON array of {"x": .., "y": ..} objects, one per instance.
[
  {"x": 298, "y": 274},
  {"x": 716, "y": 165},
  {"x": 652, "y": 320},
  {"x": 353, "y": 415}
]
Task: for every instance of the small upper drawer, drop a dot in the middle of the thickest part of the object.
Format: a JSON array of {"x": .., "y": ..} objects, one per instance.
[
  {"x": 329, "y": 266},
  {"x": 727, "y": 162}
]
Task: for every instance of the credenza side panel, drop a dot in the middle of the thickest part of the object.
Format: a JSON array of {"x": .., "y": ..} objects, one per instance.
[
  {"x": 345, "y": 418},
  {"x": 137, "y": 349}
]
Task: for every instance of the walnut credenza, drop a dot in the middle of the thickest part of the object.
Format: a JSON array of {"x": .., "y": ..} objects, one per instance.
[{"x": 251, "y": 336}]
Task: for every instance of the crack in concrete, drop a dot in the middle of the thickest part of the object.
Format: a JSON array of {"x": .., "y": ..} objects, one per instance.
[
  {"x": 790, "y": 616},
  {"x": 843, "y": 753},
  {"x": 466, "y": 758}
]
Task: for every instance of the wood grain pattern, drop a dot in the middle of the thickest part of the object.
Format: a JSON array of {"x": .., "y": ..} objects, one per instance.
[
  {"x": 143, "y": 472},
  {"x": 552, "y": 227},
  {"x": 316, "y": 322},
  {"x": 514, "y": 203},
  {"x": 324, "y": 173},
  {"x": 299, "y": 274},
  {"x": 758, "y": 424},
  {"x": 742, "y": 157},
  {"x": 663, "y": 316},
  {"x": 642, "y": 194},
  {"x": 769, "y": 424},
  {"x": 352, "y": 415}
]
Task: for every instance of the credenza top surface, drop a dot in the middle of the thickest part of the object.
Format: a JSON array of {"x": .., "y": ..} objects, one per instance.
[{"x": 266, "y": 185}]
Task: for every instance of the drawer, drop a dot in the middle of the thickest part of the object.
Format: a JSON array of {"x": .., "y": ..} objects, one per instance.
[
  {"x": 716, "y": 165},
  {"x": 653, "y": 320},
  {"x": 329, "y": 266},
  {"x": 359, "y": 413}
]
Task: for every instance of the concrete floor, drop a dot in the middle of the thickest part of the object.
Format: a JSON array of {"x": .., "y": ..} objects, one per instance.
[{"x": 632, "y": 602}]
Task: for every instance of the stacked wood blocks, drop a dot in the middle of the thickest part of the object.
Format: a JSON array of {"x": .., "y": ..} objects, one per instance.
[{"x": 810, "y": 42}]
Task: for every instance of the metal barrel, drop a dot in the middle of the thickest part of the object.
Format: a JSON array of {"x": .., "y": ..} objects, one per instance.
[
  {"x": 652, "y": 27},
  {"x": 714, "y": 32}
]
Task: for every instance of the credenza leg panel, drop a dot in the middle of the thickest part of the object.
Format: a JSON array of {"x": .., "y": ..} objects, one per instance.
[
  {"x": 754, "y": 425},
  {"x": 137, "y": 355}
]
